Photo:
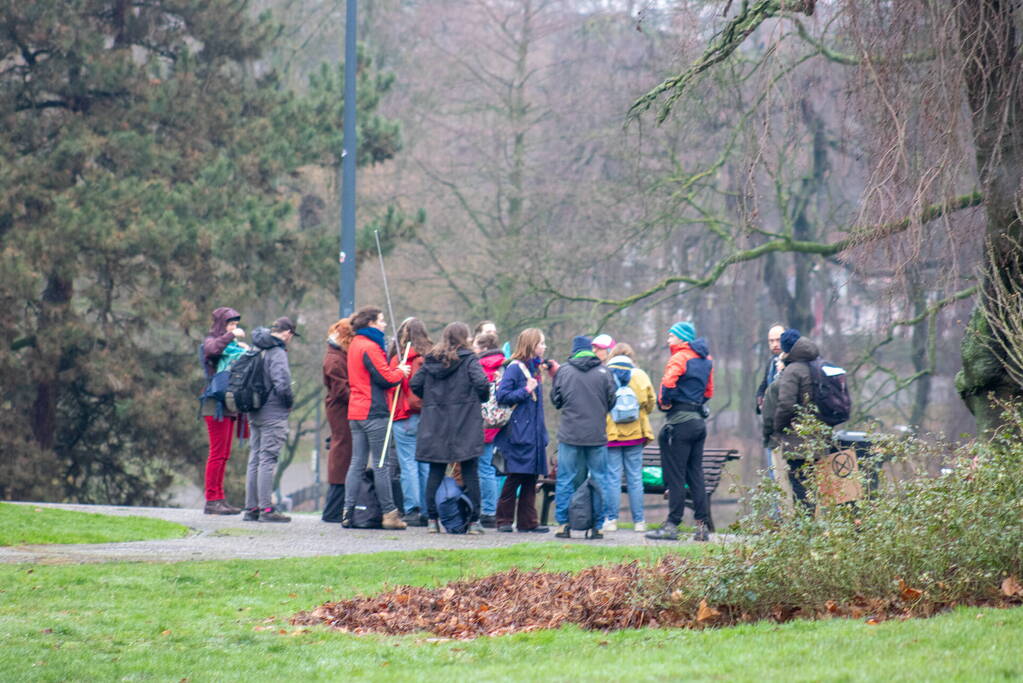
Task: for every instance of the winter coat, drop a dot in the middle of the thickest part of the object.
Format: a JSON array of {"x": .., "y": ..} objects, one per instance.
[
  {"x": 335, "y": 379},
  {"x": 771, "y": 438},
  {"x": 491, "y": 361},
  {"x": 637, "y": 380},
  {"x": 450, "y": 422},
  {"x": 688, "y": 378},
  {"x": 584, "y": 391},
  {"x": 275, "y": 364},
  {"x": 370, "y": 378},
  {"x": 523, "y": 441},
  {"x": 408, "y": 403},
  {"x": 770, "y": 374},
  {"x": 217, "y": 339},
  {"x": 794, "y": 389}
]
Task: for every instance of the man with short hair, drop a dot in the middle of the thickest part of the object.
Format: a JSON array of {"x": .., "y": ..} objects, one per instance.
[
  {"x": 774, "y": 368},
  {"x": 270, "y": 422},
  {"x": 584, "y": 392}
]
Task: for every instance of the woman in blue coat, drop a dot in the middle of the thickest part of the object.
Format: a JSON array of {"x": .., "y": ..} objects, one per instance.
[{"x": 523, "y": 441}]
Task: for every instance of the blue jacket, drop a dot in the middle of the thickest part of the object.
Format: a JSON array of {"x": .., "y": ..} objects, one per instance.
[{"x": 523, "y": 441}]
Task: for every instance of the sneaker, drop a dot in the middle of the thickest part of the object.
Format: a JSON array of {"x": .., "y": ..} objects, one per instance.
[
  {"x": 505, "y": 528},
  {"x": 610, "y": 525},
  {"x": 433, "y": 527},
  {"x": 639, "y": 527},
  {"x": 564, "y": 533},
  {"x": 488, "y": 521},
  {"x": 271, "y": 515},
  {"x": 534, "y": 530},
  {"x": 667, "y": 532},
  {"x": 220, "y": 507},
  {"x": 475, "y": 529},
  {"x": 702, "y": 534},
  {"x": 251, "y": 515},
  {"x": 392, "y": 521},
  {"x": 346, "y": 518},
  {"x": 413, "y": 518}
]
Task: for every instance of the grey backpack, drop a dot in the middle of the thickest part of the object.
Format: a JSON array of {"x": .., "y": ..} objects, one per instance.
[{"x": 585, "y": 506}]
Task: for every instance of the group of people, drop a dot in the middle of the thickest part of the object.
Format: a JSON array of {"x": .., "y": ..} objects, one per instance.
[{"x": 437, "y": 391}]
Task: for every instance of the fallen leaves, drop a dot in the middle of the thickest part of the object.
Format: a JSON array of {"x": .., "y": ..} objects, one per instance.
[
  {"x": 1011, "y": 587},
  {"x": 908, "y": 594}
]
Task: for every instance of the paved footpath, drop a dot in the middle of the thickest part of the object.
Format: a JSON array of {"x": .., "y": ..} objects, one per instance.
[{"x": 215, "y": 537}]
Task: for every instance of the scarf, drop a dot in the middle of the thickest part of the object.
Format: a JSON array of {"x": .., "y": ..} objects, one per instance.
[{"x": 373, "y": 334}]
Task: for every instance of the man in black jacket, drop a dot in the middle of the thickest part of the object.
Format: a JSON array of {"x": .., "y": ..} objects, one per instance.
[{"x": 584, "y": 392}]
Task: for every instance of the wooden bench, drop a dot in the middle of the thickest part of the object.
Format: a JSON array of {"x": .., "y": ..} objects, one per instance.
[{"x": 714, "y": 461}]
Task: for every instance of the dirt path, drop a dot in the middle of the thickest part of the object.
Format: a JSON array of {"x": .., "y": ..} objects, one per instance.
[{"x": 219, "y": 538}]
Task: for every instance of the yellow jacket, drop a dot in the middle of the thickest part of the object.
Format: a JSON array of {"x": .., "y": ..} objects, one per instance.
[{"x": 639, "y": 383}]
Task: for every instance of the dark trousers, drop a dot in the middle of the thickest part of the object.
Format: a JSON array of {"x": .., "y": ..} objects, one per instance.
[
  {"x": 335, "y": 502},
  {"x": 525, "y": 487},
  {"x": 797, "y": 479},
  {"x": 470, "y": 480},
  {"x": 682, "y": 463}
]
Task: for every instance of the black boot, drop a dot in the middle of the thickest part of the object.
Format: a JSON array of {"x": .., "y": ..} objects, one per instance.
[{"x": 346, "y": 518}]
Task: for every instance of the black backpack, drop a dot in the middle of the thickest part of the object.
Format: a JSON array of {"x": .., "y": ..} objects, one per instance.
[
  {"x": 453, "y": 507},
  {"x": 585, "y": 506},
  {"x": 367, "y": 513},
  {"x": 248, "y": 386},
  {"x": 830, "y": 392}
]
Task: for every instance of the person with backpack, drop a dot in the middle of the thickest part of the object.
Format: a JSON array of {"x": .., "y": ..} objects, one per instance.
[
  {"x": 491, "y": 359},
  {"x": 371, "y": 379},
  {"x": 523, "y": 441},
  {"x": 686, "y": 385},
  {"x": 584, "y": 392},
  {"x": 628, "y": 430},
  {"x": 453, "y": 386},
  {"x": 270, "y": 421},
  {"x": 406, "y": 420},
  {"x": 220, "y": 347},
  {"x": 335, "y": 380}
]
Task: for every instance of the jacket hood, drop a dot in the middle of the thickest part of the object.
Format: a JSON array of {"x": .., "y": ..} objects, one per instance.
[
  {"x": 585, "y": 363},
  {"x": 221, "y": 316},
  {"x": 435, "y": 366},
  {"x": 699, "y": 347},
  {"x": 262, "y": 338},
  {"x": 492, "y": 360},
  {"x": 803, "y": 351}
]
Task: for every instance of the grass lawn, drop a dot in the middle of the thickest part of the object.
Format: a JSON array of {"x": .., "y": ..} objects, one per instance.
[
  {"x": 30, "y": 524},
  {"x": 227, "y": 621}
]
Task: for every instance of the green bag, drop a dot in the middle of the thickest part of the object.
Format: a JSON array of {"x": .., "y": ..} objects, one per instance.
[{"x": 653, "y": 476}]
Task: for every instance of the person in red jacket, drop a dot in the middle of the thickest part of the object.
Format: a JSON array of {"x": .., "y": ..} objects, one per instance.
[
  {"x": 491, "y": 359},
  {"x": 406, "y": 420},
  {"x": 335, "y": 379},
  {"x": 370, "y": 380}
]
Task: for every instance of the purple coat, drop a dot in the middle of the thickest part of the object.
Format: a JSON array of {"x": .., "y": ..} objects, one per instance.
[{"x": 217, "y": 339}]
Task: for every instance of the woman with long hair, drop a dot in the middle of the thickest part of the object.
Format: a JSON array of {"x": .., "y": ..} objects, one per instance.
[
  {"x": 453, "y": 386},
  {"x": 369, "y": 409},
  {"x": 411, "y": 332},
  {"x": 335, "y": 379},
  {"x": 523, "y": 441}
]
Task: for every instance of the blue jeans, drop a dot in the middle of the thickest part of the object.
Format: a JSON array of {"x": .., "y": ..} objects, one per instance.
[
  {"x": 488, "y": 481},
  {"x": 575, "y": 463},
  {"x": 632, "y": 458},
  {"x": 413, "y": 474}
]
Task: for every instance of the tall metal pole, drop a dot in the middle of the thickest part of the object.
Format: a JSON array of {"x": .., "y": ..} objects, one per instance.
[{"x": 348, "y": 154}]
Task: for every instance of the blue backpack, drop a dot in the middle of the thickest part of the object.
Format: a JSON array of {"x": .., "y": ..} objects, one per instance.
[
  {"x": 216, "y": 387},
  {"x": 626, "y": 407},
  {"x": 453, "y": 507}
]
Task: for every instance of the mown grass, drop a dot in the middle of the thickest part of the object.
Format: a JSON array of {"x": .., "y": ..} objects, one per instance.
[
  {"x": 31, "y": 524},
  {"x": 227, "y": 621}
]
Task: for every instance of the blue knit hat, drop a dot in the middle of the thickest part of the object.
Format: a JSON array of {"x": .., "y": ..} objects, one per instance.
[
  {"x": 788, "y": 338},
  {"x": 581, "y": 343},
  {"x": 684, "y": 331}
]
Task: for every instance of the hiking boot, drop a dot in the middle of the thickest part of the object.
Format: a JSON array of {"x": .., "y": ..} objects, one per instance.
[
  {"x": 251, "y": 515},
  {"x": 220, "y": 507},
  {"x": 594, "y": 534},
  {"x": 505, "y": 528},
  {"x": 475, "y": 529},
  {"x": 639, "y": 527},
  {"x": 564, "y": 533},
  {"x": 488, "y": 521},
  {"x": 667, "y": 532},
  {"x": 271, "y": 515},
  {"x": 534, "y": 530},
  {"x": 610, "y": 525},
  {"x": 433, "y": 526},
  {"x": 346, "y": 518},
  {"x": 393, "y": 521},
  {"x": 413, "y": 518},
  {"x": 702, "y": 534}
]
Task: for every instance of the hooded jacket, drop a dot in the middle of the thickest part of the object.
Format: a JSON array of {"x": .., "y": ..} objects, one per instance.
[
  {"x": 450, "y": 422},
  {"x": 370, "y": 379},
  {"x": 622, "y": 368},
  {"x": 688, "y": 377},
  {"x": 275, "y": 363},
  {"x": 408, "y": 403},
  {"x": 335, "y": 379},
  {"x": 523, "y": 441},
  {"x": 491, "y": 361},
  {"x": 217, "y": 339},
  {"x": 584, "y": 392},
  {"x": 794, "y": 387}
]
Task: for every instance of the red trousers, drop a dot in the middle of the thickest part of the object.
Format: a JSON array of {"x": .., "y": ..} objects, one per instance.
[{"x": 221, "y": 433}]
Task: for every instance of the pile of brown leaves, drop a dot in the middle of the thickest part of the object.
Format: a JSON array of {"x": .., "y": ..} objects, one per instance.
[{"x": 599, "y": 598}]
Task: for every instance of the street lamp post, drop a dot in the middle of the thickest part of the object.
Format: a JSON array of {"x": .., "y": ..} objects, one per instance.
[{"x": 346, "y": 286}]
